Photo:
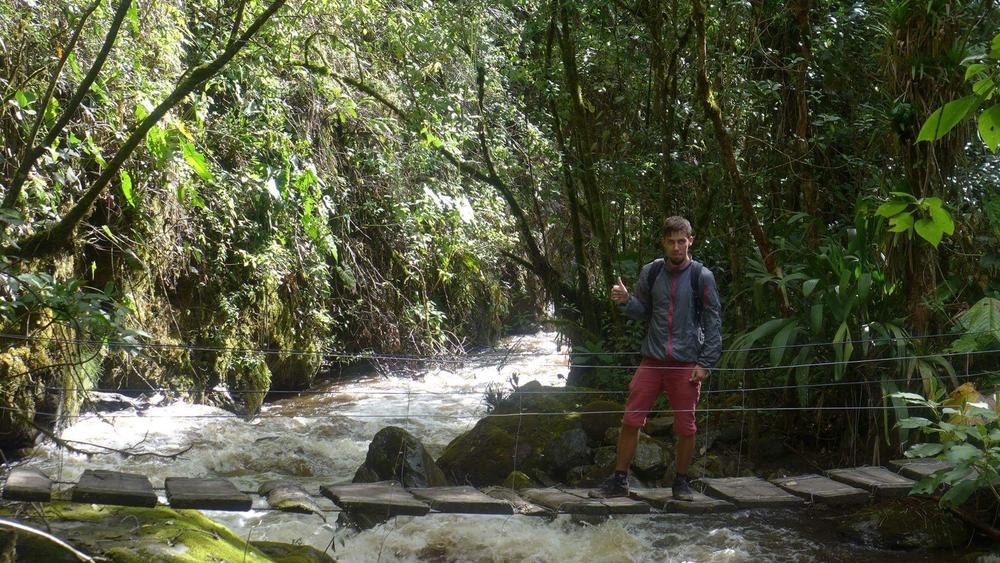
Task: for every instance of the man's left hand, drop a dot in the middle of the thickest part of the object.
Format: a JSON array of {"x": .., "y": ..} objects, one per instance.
[{"x": 699, "y": 374}]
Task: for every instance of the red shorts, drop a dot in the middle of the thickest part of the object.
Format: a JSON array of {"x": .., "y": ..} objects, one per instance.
[{"x": 663, "y": 376}]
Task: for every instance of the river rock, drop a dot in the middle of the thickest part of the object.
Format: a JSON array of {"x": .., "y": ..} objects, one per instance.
[
  {"x": 661, "y": 426},
  {"x": 652, "y": 457},
  {"x": 566, "y": 451},
  {"x": 517, "y": 480},
  {"x": 606, "y": 456},
  {"x": 607, "y": 414},
  {"x": 907, "y": 523},
  {"x": 535, "y": 443},
  {"x": 395, "y": 455}
]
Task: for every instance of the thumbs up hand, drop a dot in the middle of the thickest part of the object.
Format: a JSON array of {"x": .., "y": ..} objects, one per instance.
[{"x": 619, "y": 294}]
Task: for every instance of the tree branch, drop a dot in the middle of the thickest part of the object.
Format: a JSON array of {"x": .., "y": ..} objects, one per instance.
[
  {"x": 52, "y": 239},
  {"x": 33, "y": 153}
]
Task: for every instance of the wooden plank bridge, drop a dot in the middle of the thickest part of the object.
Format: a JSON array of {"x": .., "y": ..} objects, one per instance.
[{"x": 837, "y": 486}]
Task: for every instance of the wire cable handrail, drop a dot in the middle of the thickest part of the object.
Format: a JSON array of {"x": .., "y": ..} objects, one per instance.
[
  {"x": 447, "y": 358},
  {"x": 512, "y": 391}
]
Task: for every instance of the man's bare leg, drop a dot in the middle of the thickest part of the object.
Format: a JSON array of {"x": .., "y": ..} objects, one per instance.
[
  {"x": 685, "y": 451},
  {"x": 628, "y": 440}
]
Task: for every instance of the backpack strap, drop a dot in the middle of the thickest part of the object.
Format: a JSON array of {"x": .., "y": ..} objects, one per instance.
[
  {"x": 696, "y": 268},
  {"x": 653, "y": 273}
]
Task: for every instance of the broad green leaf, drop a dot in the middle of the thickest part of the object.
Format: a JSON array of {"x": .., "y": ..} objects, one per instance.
[
  {"x": 808, "y": 286},
  {"x": 924, "y": 450},
  {"x": 816, "y": 318},
  {"x": 995, "y": 47},
  {"x": 944, "y": 119},
  {"x": 901, "y": 223},
  {"x": 904, "y": 195},
  {"x": 842, "y": 350},
  {"x": 962, "y": 452},
  {"x": 196, "y": 161},
  {"x": 929, "y": 231},
  {"x": 891, "y": 208},
  {"x": 127, "y": 187},
  {"x": 931, "y": 203},
  {"x": 911, "y": 397},
  {"x": 914, "y": 422},
  {"x": 974, "y": 69},
  {"x": 925, "y": 486},
  {"x": 785, "y": 337},
  {"x": 984, "y": 88},
  {"x": 959, "y": 493},
  {"x": 989, "y": 127},
  {"x": 943, "y": 220}
]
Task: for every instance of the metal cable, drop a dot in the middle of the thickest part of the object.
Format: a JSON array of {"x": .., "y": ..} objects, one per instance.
[{"x": 447, "y": 358}]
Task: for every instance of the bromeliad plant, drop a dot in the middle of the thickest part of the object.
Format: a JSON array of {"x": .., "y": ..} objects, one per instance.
[{"x": 968, "y": 436}]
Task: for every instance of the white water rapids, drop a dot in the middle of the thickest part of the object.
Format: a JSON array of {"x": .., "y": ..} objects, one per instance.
[{"x": 321, "y": 438}]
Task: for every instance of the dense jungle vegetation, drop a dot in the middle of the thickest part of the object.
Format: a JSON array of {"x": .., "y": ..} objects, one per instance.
[{"x": 189, "y": 183}]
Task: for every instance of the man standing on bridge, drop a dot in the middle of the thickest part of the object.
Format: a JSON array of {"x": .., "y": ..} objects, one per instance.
[{"x": 679, "y": 301}]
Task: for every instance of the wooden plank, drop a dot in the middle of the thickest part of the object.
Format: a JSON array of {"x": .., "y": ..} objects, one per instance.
[
  {"x": 817, "y": 488},
  {"x": 381, "y": 498},
  {"x": 289, "y": 496},
  {"x": 616, "y": 505},
  {"x": 665, "y": 501},
  {"x": 205, "y": 494},
  {"x": 519, "y": 505},
  {"x": 918, "y": 469},
  {"x": 464, "y": 500},
  {"x": 565, "y": 502},
  {"x": 98, "y": 486},
  {"x": 879, "y": 480},
  {"x": 28, "y": 485},
  {"x": 750, "y": 492}
]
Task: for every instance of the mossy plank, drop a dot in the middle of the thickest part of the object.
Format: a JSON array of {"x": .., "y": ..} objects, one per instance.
[
  {"x": 750, "y": 492},
  {"x": 665, "y": 501},
  {"x": 879, "y": 480},
  {"x": 205, "y": 494},
  {"x": 98, "y": 486},
  {"x": 565, "y": 502},
  {"x": 288, "y": 496},
  {"x": 616, "y": 505},
  {"x": 28, "y": 485},
  {"x": 519, "y": 505},
  {"x": 381, "y": 498},
  {"x": 817, "y": 488},
  {"x": 465, "y": 500},
  {"x": 919, "y": 468}
]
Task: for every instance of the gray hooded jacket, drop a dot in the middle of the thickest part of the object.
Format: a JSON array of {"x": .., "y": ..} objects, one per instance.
[{"x": 668, "y": 307}]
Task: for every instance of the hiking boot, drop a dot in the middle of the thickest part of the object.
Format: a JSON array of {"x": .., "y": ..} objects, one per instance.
[
  {"x": 682, "y": 489},
  {"x": 614, "y": 486}
]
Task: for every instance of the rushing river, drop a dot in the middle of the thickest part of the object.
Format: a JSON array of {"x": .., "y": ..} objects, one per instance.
[{"x": 322, "y": 437}]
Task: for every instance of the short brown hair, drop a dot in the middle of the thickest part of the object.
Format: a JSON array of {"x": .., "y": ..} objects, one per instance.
[{"x": 676, "y": 224}]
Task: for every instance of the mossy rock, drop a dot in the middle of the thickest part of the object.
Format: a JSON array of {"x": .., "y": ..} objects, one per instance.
[
  {"x": 609, "y": 416},
  {"x": 396, "y": 455},
  {"x": 908, "y": 523},
  {"x": 139, "y": 535},
  {"x": 486, "y": 454}
]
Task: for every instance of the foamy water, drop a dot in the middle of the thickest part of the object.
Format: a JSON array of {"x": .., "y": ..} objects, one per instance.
[{"x": 321, "y": 438}]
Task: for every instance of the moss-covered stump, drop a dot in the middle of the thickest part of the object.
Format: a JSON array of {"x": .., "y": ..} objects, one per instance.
[
  {"x": 395, "y": 455},
  {"x": 138, "y": 535},
  {"x": 907, "y": 523}
]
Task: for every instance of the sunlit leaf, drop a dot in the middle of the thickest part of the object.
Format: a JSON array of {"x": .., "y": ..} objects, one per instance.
[
  {"x": 127, "y": 187},
  {"x": 929, "y": 231},
  {"x": 946, "y": 118},
  {"x": 989, "y": 127}
]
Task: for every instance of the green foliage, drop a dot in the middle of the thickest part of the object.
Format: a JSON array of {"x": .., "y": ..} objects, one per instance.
[
  {"x": 984, "y": 76},
  {"x": 971, "y": 442},
  {"x": 925, "y": 216}
]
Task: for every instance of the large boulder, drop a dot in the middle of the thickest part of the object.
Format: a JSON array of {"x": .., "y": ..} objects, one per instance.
[
  {"x": 541, "y": 442},
  {"x": 395, "y": 455}
]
